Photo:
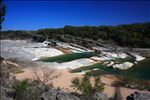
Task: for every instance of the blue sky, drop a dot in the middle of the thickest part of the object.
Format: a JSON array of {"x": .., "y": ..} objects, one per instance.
[{"x": 33, "y": 15}]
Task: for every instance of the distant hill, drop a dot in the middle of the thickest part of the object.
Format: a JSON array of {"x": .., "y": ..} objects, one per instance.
[{"x": 131, "y": 35}]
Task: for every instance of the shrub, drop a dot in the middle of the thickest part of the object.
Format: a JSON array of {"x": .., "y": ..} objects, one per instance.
[
  {"x": 21, "y": 87},
  {"x": 84, "y": 85},
  {"x": 29, "y": 90},
  {"x": 99, "y": 86}
]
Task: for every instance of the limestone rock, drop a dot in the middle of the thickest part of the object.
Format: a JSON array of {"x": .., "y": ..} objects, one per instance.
[
  {"x": 65, "y": 96},
  {"x": 137, "y": 57},
  {"x": 8, "y": 93},
  {"x": 123, "y": 66},
  {"x": 100, "y": 96},
  {"x": 50, "y": 95},
  {"x": 139, "y": 96}
]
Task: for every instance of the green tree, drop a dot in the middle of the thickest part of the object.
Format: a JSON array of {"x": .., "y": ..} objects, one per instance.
[
  {"x": 85, "y": 86},
  {"x": 2, "y": 12}
]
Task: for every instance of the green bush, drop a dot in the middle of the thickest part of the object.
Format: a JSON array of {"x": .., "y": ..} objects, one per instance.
[
  {"x": 29, "y": 90},
  {"x": 99, "y": 86},
  {"x": 84, "y": 85},
  {"x": 21, "y": 85},
  {"x": 21, "y": 88}
]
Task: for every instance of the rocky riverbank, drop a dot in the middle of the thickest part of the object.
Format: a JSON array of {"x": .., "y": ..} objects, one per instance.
[
  {"x": 23, "y": 49},
  {"x": 63, "y": 82}
]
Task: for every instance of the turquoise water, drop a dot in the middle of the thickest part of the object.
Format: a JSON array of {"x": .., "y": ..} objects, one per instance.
[
  {"x": 138, "y": 71},
  {"x": 69, "y": 57}
]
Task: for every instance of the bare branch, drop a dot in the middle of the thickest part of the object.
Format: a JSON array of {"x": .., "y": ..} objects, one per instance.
[{"x": 45, "y": 74}]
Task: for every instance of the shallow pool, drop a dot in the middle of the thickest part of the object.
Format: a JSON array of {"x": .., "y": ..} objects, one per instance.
[{"x": 69, "y": 57}]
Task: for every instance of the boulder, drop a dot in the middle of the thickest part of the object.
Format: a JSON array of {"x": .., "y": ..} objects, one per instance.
[
  {"x": 110, "y": 64},
  {"x": 65, "y": 96},
  {"x": 138, "y": 96},
  {"x": 8, "y": 93},
  {"x": 50, "y": 95},
  {"x": 100, "y": 96},
  {"x": 54, "y": 94},
  {"x": 3, "y": 97},
  {"x": 137, "y": 57},
  {"x": 123, "y": 66}
]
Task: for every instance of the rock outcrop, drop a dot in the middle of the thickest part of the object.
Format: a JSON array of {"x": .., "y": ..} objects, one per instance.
[
  {"x": 54, "y": 94},
  {"x": 123, "y": 66},
  {"x": 137, "y": 57},
  {"x": 49, "y": 95},
  {"x": 100, "y": 96},
  {"x": 139, "y": 96},
  {"x": 7, "y": 93},
  {"x": 6, "y": 80},
  {"x": 65, "y": 96}
]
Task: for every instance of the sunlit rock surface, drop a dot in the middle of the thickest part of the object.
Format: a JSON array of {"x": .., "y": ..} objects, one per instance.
[{"x": 123, "y": 66}]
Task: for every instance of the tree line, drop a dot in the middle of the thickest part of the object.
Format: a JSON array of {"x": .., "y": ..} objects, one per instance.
[{"x": 131, "y": 35}]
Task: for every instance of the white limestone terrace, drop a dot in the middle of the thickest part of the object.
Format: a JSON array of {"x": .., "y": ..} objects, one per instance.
[
  {"x": 43, "y": 52},
  {"x": 138, "y": 57},
  {"x": 69, "y": 65},
  {"x": 73, "y": 47},
  {"x": 110, "y": 56},
  {"x": 115, "y": 55},
  {"x": 22, "y": 50}
]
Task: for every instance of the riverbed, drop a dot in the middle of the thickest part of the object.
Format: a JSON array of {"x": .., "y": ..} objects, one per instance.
[{"x": 141, "y": 70}]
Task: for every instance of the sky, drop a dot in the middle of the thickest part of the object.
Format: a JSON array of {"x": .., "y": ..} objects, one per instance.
[{"x": 34, "y": 15}]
